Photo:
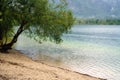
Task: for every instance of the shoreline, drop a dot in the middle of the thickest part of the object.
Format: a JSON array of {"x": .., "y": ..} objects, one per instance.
[{"x": 16, "y": 66}]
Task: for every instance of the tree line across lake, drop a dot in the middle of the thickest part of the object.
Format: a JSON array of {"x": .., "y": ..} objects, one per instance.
[{"x": 98, "y": 21}]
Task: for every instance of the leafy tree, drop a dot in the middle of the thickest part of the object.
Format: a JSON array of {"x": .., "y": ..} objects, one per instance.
[
  {"x": 39, "y": 19},
  {"x": 6, "y": 21}
]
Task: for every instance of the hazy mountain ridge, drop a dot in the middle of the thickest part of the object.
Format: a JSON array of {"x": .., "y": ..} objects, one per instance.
[{"x": 95, "y": 8}]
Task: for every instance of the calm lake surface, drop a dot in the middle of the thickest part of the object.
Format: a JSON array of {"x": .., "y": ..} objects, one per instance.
[{"x": 88, "y": 49}]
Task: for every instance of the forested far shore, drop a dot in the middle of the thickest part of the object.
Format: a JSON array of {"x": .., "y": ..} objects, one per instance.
[{"x": 98, "y": 21}]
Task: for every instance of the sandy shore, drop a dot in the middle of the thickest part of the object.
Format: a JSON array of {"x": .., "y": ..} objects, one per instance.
[{"x": 16, "y": 66}]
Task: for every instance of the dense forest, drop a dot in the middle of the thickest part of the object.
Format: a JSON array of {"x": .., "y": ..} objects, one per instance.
[{"x": 98, "y": 21}]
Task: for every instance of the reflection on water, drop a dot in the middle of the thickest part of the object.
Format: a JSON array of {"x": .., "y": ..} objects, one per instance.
[{"x": 93, "y": 50}]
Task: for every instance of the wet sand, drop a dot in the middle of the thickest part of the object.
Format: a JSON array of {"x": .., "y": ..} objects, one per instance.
[{"x": 17, "y": 66}]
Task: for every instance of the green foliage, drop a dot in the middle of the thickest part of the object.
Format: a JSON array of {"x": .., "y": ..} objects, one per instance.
[
  {"x": 0, "y": 16},
  {"x": 98, "y": 21},
  {"x": 45, "y": 22},
  {"x": 41, "y": 19},
  {"x": 6, "y": 21}
]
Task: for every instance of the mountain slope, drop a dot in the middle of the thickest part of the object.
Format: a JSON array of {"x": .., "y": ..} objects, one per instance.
[{"x": 95, "y": 8}]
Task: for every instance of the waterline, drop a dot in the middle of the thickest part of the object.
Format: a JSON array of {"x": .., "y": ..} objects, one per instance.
[{"x": 93, "y": 50}]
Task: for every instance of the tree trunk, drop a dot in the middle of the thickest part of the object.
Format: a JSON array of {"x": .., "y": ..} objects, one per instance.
[{"x": 8, "y": 46}]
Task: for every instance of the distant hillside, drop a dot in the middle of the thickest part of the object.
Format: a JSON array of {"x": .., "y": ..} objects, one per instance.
[{"x": 95, "y": 8}]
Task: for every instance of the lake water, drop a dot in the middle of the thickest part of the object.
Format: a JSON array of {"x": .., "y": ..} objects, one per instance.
[{"x": 88, "y": 49}]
